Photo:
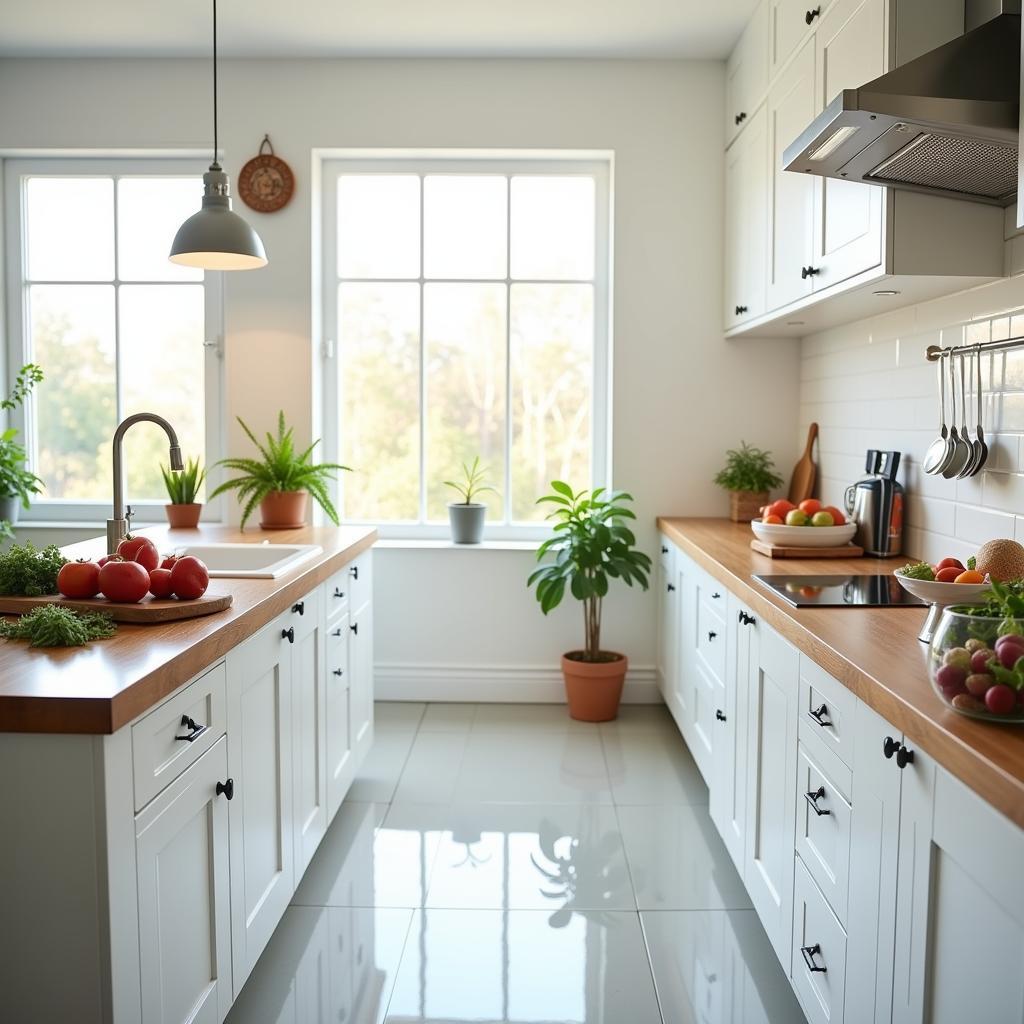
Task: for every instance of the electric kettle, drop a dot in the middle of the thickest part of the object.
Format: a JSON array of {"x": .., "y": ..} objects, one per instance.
[{"x": 875, "y": 504}]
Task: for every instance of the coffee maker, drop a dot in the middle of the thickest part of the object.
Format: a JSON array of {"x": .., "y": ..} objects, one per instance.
[{"x": 875, "y": 504}]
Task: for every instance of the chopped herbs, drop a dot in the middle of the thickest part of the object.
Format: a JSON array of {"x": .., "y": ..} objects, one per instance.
[
  {"x": 52, "y": 625},
  {"x": 917, "y": 571},
  {"x": 26, "y": 572}
]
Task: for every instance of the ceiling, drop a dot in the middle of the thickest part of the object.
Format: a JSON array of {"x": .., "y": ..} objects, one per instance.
[{"x": 373, "y": 28}]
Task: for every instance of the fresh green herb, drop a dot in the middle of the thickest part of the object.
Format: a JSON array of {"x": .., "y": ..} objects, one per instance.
[
  {"x": 748, "y": 469},
  {"x": 1002, "y": 601},
  {"x": 474, "y": 477},
  {"x": 183, "y": 487},
  {"x": 52, "y": 625},
  {"x": 917, "y": 571},
  {"x": 24, "y": 571},
  {"x": 972, "y": 563}
]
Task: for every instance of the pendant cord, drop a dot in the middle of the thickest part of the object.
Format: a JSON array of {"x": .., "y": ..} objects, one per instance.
[{"x": 215, "y": 147}]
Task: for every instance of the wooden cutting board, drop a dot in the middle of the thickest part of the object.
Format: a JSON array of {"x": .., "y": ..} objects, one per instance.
[
  {"x": 805, "y": 472},
  {"x": 786, "y": 551},
  {"x": 150, "y": 611}
]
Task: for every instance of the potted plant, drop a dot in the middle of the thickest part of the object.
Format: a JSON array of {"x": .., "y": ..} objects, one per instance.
[
  {"x": 17, "y": 484},
  {"x": 592, "y": 546},
  {"x": 182, "y": 488},
  {"x": 467, "y": 516},
  {"x": 749, "y": 474},
  {"x": 280, "y": 480}
]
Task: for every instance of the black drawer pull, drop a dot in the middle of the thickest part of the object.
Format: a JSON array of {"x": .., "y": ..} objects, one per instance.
[
  {"x": 889, "y": 747},
  {"x": 715, "y": 596},
  {"x": 813, "y": 798},
  {"x": 670, "y": 587},
  {"x": 711, "y": 635},
  {"x": 747, "y": 620},
  {"x": 806, "y": 272},
  {"x": 288, "y": 634},
  {"x": 719, "y": 715},
  {"x": 820, "y": 716},
  {"x": 354, "y": 627},
  {"x": 227, "y": 788},
  {"x": 739, "y": 118},
  {"x": 354, "y": 572},
  {"x": 339, "y": 593},
  {"x": 904, "y": 757},
  {"x": 194, "y": 731},
  {"x": 299, "y": 608},
  {"x": 338, "y": 672},
  {"x": 337, "y": 632},
  {"x": 809, "y": 952},
  {"x": 811, "y": 15},
  {"x": 740, "y": 310},
  {"x": 664, "y": 550}
]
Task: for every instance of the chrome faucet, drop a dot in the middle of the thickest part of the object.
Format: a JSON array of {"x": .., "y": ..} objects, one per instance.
[{"x": 117, "y": 528}]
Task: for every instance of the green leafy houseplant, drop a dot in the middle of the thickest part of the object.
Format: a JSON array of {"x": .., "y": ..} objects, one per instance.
[
  {"x": 473, "y": 482},
  {"x": 748, "y": 469},
  {"x": 280, "y": 469},
  {"x": 16, "y": 482},
  {"x": 183, "y": 487},
  {"x": 592, "y": 546}
]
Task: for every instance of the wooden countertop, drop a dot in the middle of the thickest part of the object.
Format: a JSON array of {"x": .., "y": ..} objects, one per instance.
[
  {"x": 104, "y": 685},
  {"x": 873, "y": 651}
]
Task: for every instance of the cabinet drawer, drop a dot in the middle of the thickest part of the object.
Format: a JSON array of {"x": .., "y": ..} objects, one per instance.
[
  {"x": 350, "y": 587},
  {"x": 823, "y": 821},
  {"x": 818, "y": 966},
  {"x": 790, "y": 23},
  {"x": 665, "y": 553},
  {"x": 827, "y": 708},
  {"x": 711, "y": 638},
  {"x": 336, "y": 655},
  {"x": 161, "y": 750},
  {"x": 304, "y": 616}
]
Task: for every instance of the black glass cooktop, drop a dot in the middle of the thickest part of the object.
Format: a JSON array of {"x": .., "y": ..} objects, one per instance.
[{"x": 876, "y": 591}]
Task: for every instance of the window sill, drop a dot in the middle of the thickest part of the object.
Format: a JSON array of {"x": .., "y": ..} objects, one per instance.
[{"x": 427, "y": 544}]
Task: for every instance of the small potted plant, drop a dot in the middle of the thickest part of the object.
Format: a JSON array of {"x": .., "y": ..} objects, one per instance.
[
  {"x": 17, "y": 484},
  {"x": 749, "y": 474},
  {"x": 592, "y": 546},
  {"x": 183, "y": 511},
  {"x": 280, "y": 480},
  {"x": 467, "y": 516}
]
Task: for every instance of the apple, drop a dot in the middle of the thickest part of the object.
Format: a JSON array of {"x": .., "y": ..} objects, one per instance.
[
  {"x": 794, "y": 517},
  {"x": 822, "y": 518}
]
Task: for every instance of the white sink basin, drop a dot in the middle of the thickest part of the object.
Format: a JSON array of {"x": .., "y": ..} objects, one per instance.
[{"x": 251, "y": 561}]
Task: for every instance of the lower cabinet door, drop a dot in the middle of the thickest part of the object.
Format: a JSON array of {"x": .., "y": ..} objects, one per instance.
[
  {"x": 818, "y": 966},
  {"x": 340, "y": 758},
  {"x": 360, "y": 648},
  {"x": 184, "y": 904},
  {"x": 261, "y": 818}
]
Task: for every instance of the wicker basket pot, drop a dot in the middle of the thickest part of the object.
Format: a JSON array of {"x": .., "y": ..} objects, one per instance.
[{"x": 746, "y": 505}]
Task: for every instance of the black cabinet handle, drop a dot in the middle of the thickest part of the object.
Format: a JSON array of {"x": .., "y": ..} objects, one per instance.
[
  {"x": 338, "y": 672},
  {"x": 889, "y": 747},
  {"x": 809, "y": 952},
  {"x": 339, "y": 593},
  {"x": 806, "y": 272},
  {"x": 820, "y": 716},
  {"x": 811, "y": 15},
  {"x": 354, "y": 627},
  {"x": 813, "y": 798},
  {"x": 904, "y": 757},
  {"x": 740, "y": 117},
  {"x": 747, "y": 620},
  {"x": 337, "y": 632},
  {"x": 227, "y": 788},
  {"x": 670, "y": 587},
  {"x": 715, "y": 596},
  {"x": 664, "y": 550},
  {"x": 711, "y": 635},
  {"x": 299, "y": 608},
  {"x": 740, "y": 310},
  {"x": 194, "y": 731},
  {"x": 719, "y": 715},
  {"x": 288, "y": 634},
  {"x": 354, "y": 572}
]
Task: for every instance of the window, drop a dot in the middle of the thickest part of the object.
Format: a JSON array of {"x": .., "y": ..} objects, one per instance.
[
  {"x": 466, "y": 302},
  {"x": 116, "y": 327}
]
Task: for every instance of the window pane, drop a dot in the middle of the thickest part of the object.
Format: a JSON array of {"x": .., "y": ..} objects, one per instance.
[
  {"x": 70, "y": 229},
  {"x": 465, "y": 226},
  {"x": 464, "y": 331},
  {"x": 378, "y": 225},
  {"x": 553, "y": 227},
  {"x": 552, "y": 342},
  {"x": 162, "y": 357},
  {"x": 379, "y": 357},
  {"x": 149, "y": 213},
  {"x": 72, "y": 330}
]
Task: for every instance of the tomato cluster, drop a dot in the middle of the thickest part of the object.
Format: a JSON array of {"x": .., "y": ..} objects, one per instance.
[{"x": 133, "y": 572}]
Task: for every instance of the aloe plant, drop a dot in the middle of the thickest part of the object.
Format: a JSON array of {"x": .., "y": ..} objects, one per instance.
[
  {"x": 183, "y": 487},
  {"x": 473, "y": 482},
  {"x": 281, "y": 467}
]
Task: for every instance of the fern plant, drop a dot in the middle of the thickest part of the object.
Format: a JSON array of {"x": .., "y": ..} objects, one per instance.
[
  {"x": 473, "y": 482},
  {"x": 281, "y": 467},
  {"x": 183, "y": 487}
]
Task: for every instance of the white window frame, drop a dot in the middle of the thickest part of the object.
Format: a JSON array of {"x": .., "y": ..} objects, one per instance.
[
  {"x": 328, "y": 165},
  {"x": 19, "y": 343}
]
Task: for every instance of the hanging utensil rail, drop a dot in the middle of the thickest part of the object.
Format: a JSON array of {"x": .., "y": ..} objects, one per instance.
[{"x": 933, "y": 352}]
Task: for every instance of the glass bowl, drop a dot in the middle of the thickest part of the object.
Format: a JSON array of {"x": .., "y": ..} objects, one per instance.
[{"x": 976, "y": 665}]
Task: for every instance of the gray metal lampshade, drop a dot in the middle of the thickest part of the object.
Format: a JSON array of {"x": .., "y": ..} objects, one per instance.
[{"x": 216, "y": 238}]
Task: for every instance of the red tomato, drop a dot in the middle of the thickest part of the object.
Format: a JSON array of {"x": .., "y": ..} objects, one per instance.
[
  {"x": 949, "y": 563},
  {"x": 141, "y": 550},
  {"x": 124, "y": 581},
  {"x": 837, "y": 517},
  {"x": 103, "y": 561},
  {"x": 809, "y": 506},
  {"x": 780, "y": 508},
  {"x": 79, "y": 579},
  {"x": 168, "y": 562},
  {"x": 189, "y": 578},
  {"x": 947, "y": 575},
  {"x": 160, "y": 583}
]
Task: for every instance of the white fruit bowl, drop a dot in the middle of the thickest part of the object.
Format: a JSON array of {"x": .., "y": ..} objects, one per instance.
[
  {"x": 804, "y": 536},
  {"x": 940, "y": 596}
]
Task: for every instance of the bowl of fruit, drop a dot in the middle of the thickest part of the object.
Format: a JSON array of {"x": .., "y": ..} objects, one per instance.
[{"x": 807, "y": 525}]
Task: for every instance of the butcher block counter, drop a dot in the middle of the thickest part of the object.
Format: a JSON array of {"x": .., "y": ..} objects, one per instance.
[
  {"x": 104, "y": 685},
  {"x": 872, "y": 651}
]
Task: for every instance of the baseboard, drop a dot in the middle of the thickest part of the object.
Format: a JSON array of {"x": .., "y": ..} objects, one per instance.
[{"x": 527, "y": 684}]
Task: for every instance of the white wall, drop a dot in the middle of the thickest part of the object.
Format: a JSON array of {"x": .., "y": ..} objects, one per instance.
[
  {"x": 868, "y": 385},
  {"x": 681, "y": 394}
]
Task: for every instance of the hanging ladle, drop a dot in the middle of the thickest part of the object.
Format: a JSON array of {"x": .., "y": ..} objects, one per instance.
[
  {"x": 979, "y": 446},
  {"x": 939, "y": 450},
  {"x": 962, "y": 450}
]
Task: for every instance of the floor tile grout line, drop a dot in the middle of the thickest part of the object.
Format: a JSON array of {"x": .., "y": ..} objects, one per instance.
[
  {"x": 650, "y": 965},
  {"x": 398, "y": 965}
]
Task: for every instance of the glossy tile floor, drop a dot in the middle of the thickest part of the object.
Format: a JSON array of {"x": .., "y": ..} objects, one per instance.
[{"x": 502, "y": 863}]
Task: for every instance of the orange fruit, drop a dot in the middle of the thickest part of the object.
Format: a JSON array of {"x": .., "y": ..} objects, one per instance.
[
  {"x": 774, "y": 520},
  {"x": 780, "y": 508},
  {"x": 837, "y": 517},
  {"x": 809, "y": 506},
  {"x": 970, "y": 576}
]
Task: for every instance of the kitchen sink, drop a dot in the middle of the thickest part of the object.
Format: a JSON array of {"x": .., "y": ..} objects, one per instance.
[{"x": 251, "y": 561}]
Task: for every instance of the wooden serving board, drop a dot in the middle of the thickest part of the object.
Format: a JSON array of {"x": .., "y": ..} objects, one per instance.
[
  {"x": 788, "y": 551},
  {"x": 149, "y": 611}
]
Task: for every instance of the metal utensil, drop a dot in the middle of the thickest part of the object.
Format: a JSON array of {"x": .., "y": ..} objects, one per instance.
[
  {"x": 962, "y": 449},
  {"x": 965, "y": 434},
  {"x": 938, "y": 450},
  {"x": 980, "y": 448}
]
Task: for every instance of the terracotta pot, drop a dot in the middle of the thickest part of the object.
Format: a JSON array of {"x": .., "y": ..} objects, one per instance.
[
  {"x": 594, "y": 688},
  {"x": 183, "y": 517},
  {"x": 283, "y": 510},
  {"x": 746, "y": 505}
]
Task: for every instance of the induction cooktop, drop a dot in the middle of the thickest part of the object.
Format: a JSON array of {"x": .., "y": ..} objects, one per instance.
[{"x": 873, "y": 591}]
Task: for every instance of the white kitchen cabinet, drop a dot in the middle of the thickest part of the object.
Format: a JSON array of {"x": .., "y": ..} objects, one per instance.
[
  {"x": 340, "y": 755},
  {"x": 771, "y": 783},
  {"x": 746, "y": 74},
  {"x": 183, "y": 896},
  {"x": 360, "y": 660},
  {"x": 746, "y": 222},
  {"x": 668, "y": 632},
  {"x": 261, "y": 816},
  {"x": 790, "y": 22}
]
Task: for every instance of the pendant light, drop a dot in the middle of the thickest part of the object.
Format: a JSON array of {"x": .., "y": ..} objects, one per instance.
[{"x": 216, "y": 238}]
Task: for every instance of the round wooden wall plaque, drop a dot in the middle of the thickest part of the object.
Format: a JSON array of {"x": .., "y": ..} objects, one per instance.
[{"x": 266, "y": 182}]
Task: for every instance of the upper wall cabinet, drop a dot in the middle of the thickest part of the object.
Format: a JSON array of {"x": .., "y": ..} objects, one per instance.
[
  {"x": 790, "y": 23},
  {"x": 746, "y": 75}
]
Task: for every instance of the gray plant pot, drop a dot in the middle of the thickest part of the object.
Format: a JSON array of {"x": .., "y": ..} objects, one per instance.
[
  {"x": 467, "y": 522},
  {"x": 10, "y": 509}
]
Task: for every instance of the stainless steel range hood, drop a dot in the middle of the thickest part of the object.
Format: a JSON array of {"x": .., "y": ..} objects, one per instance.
[{"x": 945, "y": 123}]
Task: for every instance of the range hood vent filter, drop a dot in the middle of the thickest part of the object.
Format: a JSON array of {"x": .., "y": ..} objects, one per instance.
[{"x": 975, "y": 168}]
